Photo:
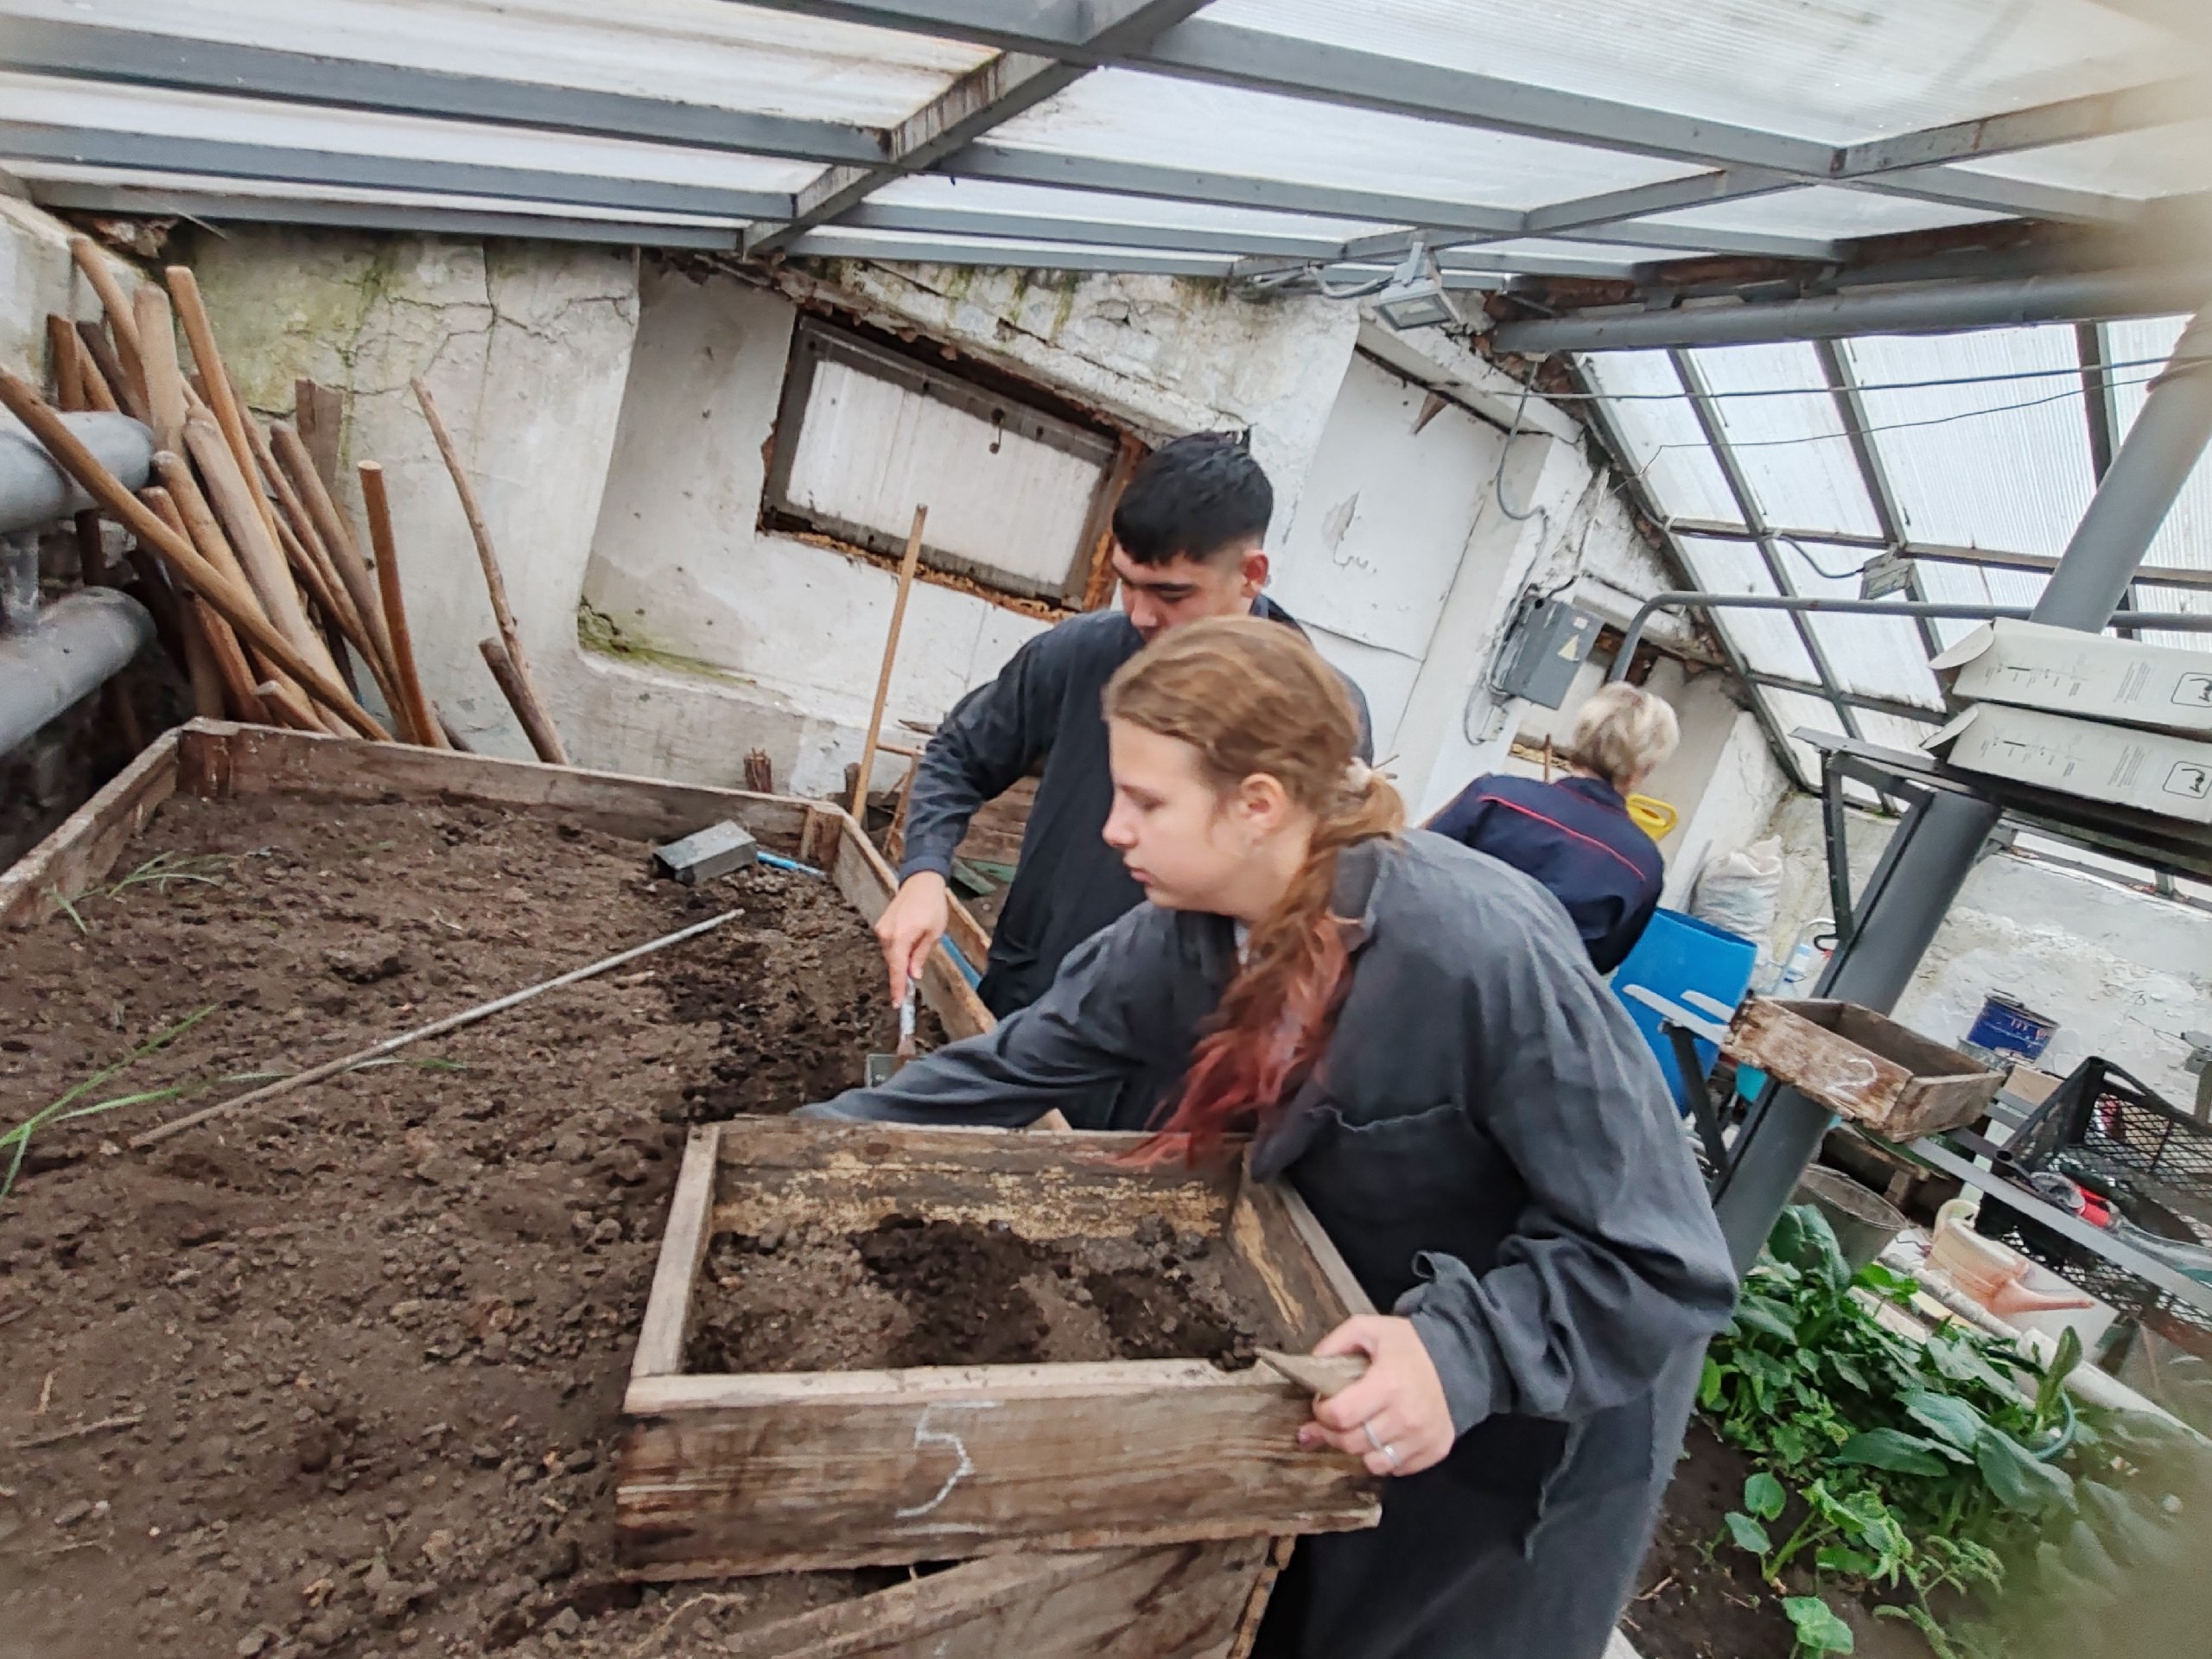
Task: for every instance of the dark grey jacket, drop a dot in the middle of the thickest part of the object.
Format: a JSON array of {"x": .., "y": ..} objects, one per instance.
[
  {"x": 1044, "y": 707},
  {"x": 1491, "y": 1147}
]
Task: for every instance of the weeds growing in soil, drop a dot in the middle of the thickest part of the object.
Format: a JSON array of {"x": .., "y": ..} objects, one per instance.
[
  {"x": 161, "y": 872},
  {"x": 1949, "y": 1470},
  {"x": 16, "y": 1142}
]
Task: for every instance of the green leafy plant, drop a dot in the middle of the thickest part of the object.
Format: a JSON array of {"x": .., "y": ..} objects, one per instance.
[{"x": 1955, "y": 1466}]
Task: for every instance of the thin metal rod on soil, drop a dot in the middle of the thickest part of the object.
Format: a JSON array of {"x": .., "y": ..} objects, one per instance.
[{"x": 436, "y": 1028}]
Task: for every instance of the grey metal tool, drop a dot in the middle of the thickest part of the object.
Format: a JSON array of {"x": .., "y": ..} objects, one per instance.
[
  {"x": 708, "y": 853},
  {"x": 880, "y": 1067}
]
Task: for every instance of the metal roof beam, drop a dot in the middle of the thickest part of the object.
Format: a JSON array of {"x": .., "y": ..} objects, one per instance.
[
  {"x": 1931, "y": 309},
  {"x": 2133, "y": 109},
  {"x": 219, "y": 158},
  {"x": 837, "y": 242},
  {"x": 1039, "y": 227},
  {"x": 2153, "y": 576},
  {"x": 220, "y": 208},
  {"x": 1236, "y": 55},
  {"x": 1873, "y": 472},
  {"x": 1639, "y": 488},
  {"x": 987, "y": 161},
  {"x": 992, "y": 92},
  {"x": 1739, "y": 486},
  {"x": 95, "y": 52}
]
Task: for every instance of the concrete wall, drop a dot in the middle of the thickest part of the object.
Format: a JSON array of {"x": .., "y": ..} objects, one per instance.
[
  {"x": 2124, "y": 973},
  {"x": 790, "y": 632},
  {"x": 613, "y": 417},
  {"x": 526, "y": 348}
]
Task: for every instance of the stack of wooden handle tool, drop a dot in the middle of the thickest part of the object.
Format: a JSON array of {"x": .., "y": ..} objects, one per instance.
[{"x": 253, "y": 574}]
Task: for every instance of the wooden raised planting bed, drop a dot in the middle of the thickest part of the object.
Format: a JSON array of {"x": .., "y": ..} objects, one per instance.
[
  {"x": 768, "y": 1471},
  {"x": 1863, "y": 1064},
  {"x": 1123, "y": 1596}
]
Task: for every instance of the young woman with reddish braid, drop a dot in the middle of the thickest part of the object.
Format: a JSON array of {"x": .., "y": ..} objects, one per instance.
[{"x": 1413, "y": 1037}]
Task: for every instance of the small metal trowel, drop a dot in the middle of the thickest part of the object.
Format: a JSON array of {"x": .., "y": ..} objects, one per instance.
[{"x": 880, "y": 1067}]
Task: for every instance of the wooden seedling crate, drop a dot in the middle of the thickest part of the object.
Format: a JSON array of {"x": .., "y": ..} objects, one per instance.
[
  {"x": 1192, "y": 1601},
  {"x": 770, "y": 1472},
  {"x": 1863, "y": 1064}
]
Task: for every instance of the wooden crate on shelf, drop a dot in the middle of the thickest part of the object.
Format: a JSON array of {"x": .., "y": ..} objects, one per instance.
[
  {"x": 1864, "y": 1065},
  {"x": 762, "y": 1472}
]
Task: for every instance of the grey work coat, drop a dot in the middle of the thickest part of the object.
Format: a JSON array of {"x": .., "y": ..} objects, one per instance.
[{"x": 1490, "y": 1144}]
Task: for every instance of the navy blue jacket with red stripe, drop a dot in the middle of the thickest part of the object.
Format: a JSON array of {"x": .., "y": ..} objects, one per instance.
[{"x": 1575, "y": 837}]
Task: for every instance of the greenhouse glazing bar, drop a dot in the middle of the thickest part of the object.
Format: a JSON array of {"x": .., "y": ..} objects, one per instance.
[{"x": 1934, "y": 850}]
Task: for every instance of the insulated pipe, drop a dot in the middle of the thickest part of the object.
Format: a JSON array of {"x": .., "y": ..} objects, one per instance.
[
  {"x": 75, "y": 647},
  {"x": 1935, "y": 308},
  {"x": 34, "y": 491},
  {"x": 2136, "y": 491},
  {"x": 2178, "y": 621}
]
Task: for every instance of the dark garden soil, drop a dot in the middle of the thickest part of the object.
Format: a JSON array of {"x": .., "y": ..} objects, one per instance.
[
  {"x": 341, "y": 1376},
  {"x": 1699, "y": 1597},
  {"x": 940, "y": 1293}
]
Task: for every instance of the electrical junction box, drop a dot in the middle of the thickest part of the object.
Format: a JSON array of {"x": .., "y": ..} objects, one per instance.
[{"x": 1551, "y": 643}]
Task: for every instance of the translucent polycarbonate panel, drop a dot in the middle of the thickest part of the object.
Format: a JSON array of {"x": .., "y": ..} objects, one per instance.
[
  {"x": 1945, "y": 583},
  {"x": 1768, "y": 640},
  {"x": 1122, "y": 115},
  {"x": 2156, "y": 162},
  {"x": 1795, "y": 711},
  {"x": 1646, "y": 404},
  {"x": 160, "y": 113},
  {"x": 693, "y": 51},
  {"x": 1819, "y": 69},
  {"x": 132, "y": 178},
  {"x": 1826, "y": 211},
  {"x": 1893, "y": 732},
  {"x": 1998, "y": 457},
  {"x": 1086, "y": 206},
  {"x": 2138, "y": 353},
  {"x": 1787, "y": 435},
  {"x": 1878, "y": 656}
]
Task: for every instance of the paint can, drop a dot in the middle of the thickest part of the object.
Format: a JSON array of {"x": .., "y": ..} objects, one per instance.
[{"x": 2008, "y": 1030}]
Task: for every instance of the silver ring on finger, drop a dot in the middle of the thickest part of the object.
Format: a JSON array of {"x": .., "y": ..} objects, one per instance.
[{"x": 1383, "y": 1447}]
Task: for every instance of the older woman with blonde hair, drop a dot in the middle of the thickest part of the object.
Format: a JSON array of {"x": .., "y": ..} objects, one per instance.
[{"x": 1574, "y": 835}]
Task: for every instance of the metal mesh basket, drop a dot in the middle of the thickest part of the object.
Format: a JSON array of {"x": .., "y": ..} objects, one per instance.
[
  {"x": 2113, "y": 1133},
  {"x": 2110, "y": 1128}
]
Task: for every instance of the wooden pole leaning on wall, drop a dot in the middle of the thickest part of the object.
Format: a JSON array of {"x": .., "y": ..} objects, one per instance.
[
  {"x": 221, "y": 657},
  {"x": 890, "y": 656},
  {"x": 522, "y": 693},
  {"x": 166, "y": 401},
  {"x": 222, "y": 396},
  {"x": 130, "y": 384},
  {"x": 543, "y": 738},
  {"x": 422, "y": 725},
  {"x": 238, "y": 608}
]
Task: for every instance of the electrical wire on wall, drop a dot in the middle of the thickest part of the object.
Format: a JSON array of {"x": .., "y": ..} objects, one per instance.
[{"x": 1485, "y": 688}]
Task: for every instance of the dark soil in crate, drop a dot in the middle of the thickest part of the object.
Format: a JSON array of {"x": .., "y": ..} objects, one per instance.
[
  {"x": 364, "y": 1351},
  {"x": 908, "y": 1292},
  {"x": 1699, "y": 1597}
]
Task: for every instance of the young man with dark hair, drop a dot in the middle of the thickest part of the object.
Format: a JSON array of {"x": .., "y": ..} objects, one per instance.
[{"x": 1188, "y": 534}]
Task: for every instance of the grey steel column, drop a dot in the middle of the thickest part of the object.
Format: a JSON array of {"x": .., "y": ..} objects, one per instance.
[{"x": 1935, "y": 847}]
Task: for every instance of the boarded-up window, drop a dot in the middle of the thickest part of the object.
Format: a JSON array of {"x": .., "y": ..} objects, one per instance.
[{"x": 1017, "y": 497}]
